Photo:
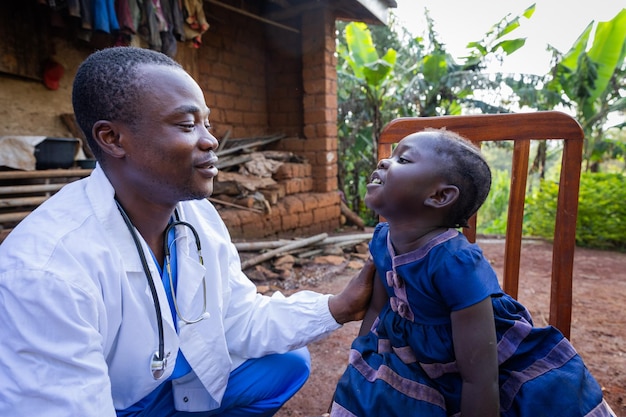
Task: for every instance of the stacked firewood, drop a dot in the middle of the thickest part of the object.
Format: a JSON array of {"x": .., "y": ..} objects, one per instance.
[
  {"x": 292, "y": 263},
  {"x": 255, "y": 179}
]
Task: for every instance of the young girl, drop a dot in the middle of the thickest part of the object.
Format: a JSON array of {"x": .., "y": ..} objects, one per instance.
[{"x": 441, "y": 337}]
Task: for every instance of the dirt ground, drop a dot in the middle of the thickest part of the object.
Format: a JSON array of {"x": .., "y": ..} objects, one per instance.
[{"x": 598, "y": 318}]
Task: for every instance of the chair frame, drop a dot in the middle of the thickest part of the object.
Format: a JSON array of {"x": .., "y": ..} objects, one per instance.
[{"x": 520, "y": 128}]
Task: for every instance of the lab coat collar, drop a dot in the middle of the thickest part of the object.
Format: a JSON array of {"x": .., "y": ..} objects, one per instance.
[{"x": 102, "y": 197}]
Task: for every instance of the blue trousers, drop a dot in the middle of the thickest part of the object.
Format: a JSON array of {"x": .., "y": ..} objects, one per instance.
[{"x": 259, "y": 387}]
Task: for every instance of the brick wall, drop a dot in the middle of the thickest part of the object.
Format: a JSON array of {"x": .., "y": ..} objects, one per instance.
[
  {"x": 284, "y": 80},
  {"x": 319, "y": 99},
  {"x": 297, "y": 211},
  {"x": 259, "y": 79},
  {"x": 231, "y": 72},
  {"x": 300, "y": 214}
]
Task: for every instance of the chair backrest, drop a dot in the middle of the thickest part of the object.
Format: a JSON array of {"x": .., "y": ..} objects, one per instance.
[{"x": 520, "y": 128}]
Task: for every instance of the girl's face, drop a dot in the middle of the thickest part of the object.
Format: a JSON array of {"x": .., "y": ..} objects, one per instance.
[{"x": 402, "y": 184}]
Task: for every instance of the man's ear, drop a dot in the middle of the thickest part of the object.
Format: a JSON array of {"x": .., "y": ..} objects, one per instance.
[
  {"x": 443, "y": 196},
  {"x": 107, "y": 136}
]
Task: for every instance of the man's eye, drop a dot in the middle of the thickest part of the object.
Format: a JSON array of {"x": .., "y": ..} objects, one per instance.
[
  {"x": 402, "y": 160},
  {"x": 187, "y": 126}
]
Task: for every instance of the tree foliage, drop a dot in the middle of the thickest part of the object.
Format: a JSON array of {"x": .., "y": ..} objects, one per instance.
[
  {"x": 590, "y": 79},
  {"x": 601, "y": 221},
  {"x": 383, "y": 74}
]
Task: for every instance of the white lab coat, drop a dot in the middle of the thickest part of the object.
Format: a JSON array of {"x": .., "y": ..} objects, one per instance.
[{"x": 78, "y": 322}]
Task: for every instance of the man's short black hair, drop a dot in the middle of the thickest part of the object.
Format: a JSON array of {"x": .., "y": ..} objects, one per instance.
[{"x": 107, "y": 87}]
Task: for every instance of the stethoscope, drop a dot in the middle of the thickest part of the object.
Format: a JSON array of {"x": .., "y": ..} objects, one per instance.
[{"x": 159, "y": 360}]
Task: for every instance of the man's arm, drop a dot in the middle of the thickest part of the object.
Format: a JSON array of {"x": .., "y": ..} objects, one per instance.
[
  {"x": 51, "y": 357},
  {"x": 379, "y": 299},
  {"x": 353, "y": 301}
]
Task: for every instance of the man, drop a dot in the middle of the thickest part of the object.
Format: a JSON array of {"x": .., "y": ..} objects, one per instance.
[{"x": 122, "y": 294}]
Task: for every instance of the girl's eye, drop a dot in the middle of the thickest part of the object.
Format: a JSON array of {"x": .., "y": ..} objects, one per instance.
[
  {"x": 402, "y": 160},
  {"x": 187, "y": 126}
]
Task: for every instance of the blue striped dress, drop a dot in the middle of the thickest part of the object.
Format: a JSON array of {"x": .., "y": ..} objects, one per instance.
[{"x": 405, "y": 366}]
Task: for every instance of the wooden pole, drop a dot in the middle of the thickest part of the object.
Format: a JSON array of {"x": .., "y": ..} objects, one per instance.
[
  {"x": 253, "y": 16},
  {"x": 270, "y": 254}
]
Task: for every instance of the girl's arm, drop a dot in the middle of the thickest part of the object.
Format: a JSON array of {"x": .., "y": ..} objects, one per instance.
[
  {"x": 378, "y": 301},
  {"x": 474, "y": 338}
]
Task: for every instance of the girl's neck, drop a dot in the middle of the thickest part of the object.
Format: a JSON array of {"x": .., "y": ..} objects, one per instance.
[{"x": 408, "y": 239}]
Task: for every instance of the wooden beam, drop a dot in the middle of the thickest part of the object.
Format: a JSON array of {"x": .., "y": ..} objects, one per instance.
[
  {"x": 295, "y": 11},
  {"x": 30, "y": 189},
  {"x": 44, "y": 173},
  {"x": 252, "y": 15},
  {"x": 295, "y": 245}
]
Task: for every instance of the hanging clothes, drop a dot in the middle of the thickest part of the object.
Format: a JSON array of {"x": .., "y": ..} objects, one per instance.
[
  {"x": 173, "y": 13},
  {"x": 128, "y": 15},
  {"x": 104, "y": 17},
  {"x": 160, "y": 23},
  {"x": 195, "y": 21}
]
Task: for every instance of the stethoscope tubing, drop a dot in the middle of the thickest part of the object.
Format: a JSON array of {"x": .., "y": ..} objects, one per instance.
[
  {"x": 155, "y": 297},
  {"x": 159, "y": 361},
  {"x": 168, "y": 265}
]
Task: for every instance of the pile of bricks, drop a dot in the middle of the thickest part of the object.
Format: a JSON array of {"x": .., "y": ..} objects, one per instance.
[
  {"x": 299, "y": 214},
  {"x": 289, "y": 207},
  {"x": 294, "y": 177}
]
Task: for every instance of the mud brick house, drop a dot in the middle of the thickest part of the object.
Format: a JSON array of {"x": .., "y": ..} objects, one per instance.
[{"x": 266, "y": 67}]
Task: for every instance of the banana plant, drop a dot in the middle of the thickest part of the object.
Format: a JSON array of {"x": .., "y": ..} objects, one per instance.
[
  {"x": 371, "y": 71},
  {"x": 592, "y": 74},
  {"x": 364, "y": 77},
  {"x": 495, "y": 41},
  {"x": 439, "y": 85},
  {"x": 376, "y": 83},
  {"x": 590, "y": 79}
]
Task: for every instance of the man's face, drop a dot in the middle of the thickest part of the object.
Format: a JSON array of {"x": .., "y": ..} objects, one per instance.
[{"x": 169, "y": 150}]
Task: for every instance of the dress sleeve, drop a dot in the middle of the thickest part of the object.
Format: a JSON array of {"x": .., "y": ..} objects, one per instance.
[
  {"x": 379, "y": 251},
  {"x": 465, "y": 278}
]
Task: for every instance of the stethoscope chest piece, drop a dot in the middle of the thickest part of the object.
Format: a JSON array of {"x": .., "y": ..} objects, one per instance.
[{"x": 158, "y": 365}]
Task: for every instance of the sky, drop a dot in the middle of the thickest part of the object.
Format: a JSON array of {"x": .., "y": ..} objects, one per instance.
[{"x": 555, "y": 22}]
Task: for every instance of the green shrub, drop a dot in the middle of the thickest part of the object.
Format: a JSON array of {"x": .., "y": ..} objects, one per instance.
[
  {"x": 601, "y": 219},
  {"x": 601, "y": 213},
  {"x": 540, "y": 210},
  {"x": 492, "y": 215}
]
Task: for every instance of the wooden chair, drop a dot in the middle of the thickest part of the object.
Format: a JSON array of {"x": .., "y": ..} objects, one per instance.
[{"x": 520, "y": 129}]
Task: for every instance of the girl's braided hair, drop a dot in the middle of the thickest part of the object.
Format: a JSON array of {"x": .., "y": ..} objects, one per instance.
[{"x": 463, "y": 166}]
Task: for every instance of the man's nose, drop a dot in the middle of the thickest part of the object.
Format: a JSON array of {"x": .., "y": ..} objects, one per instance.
[{"x": 208, "y": 141}]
